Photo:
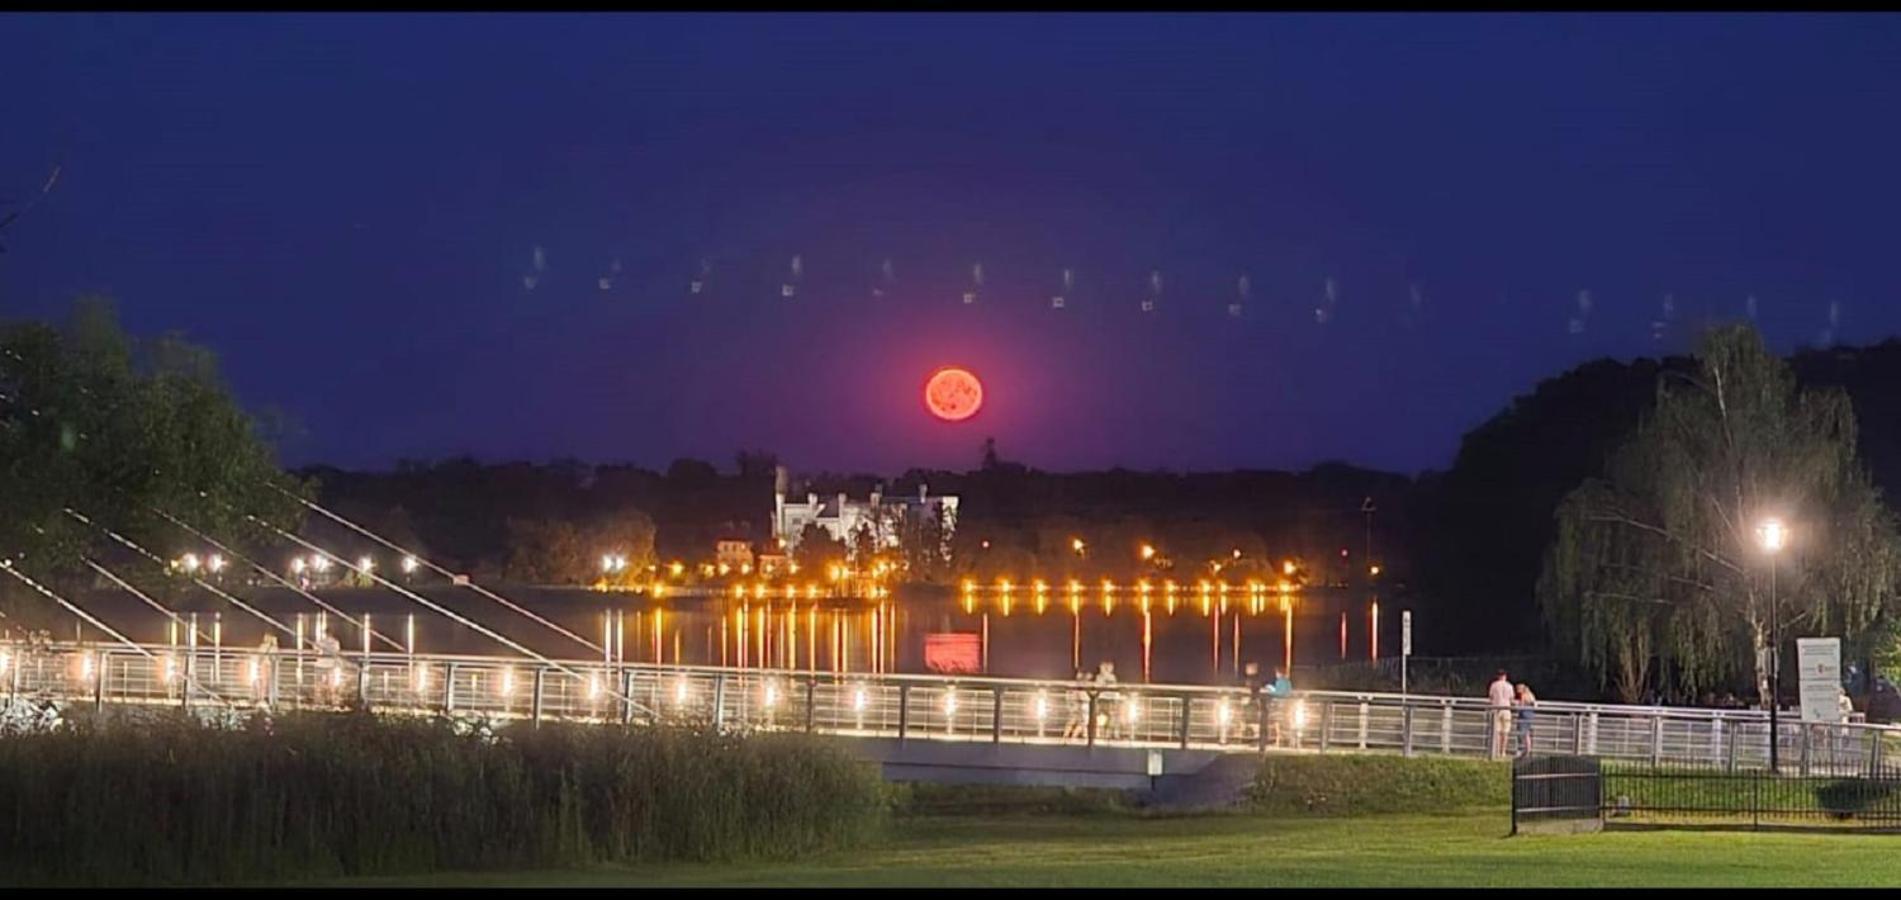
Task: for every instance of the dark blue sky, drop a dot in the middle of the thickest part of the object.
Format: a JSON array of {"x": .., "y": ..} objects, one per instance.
[{"x": 346, "y": 207}]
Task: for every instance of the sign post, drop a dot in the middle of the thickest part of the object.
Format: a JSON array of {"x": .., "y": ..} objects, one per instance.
[
  {"x": 1820, "y": 661},
  {"x": 1405, "y": 646}
]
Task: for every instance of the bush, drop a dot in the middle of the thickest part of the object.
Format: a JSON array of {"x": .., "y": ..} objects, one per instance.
[
  {"x": 1843, "y": 798},
  {"x": 318, "y": 795},
  {"x": 1365, "y": 783}
]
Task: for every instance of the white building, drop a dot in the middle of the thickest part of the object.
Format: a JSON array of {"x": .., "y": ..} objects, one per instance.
[{"x": 841, "y": 517}]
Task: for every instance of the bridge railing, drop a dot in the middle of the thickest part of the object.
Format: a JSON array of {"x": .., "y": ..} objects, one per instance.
[{"x": 923, "y": 707}]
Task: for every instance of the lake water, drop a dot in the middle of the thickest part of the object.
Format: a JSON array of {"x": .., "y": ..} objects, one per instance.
[{"x": 1187, "y": 637}]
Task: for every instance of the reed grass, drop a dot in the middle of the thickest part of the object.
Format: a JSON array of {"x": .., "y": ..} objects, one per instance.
[{"x": 306, "y": 795}]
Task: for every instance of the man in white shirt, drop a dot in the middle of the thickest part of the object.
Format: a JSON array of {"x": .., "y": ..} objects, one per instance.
[{"x": 1499, "y": 697}]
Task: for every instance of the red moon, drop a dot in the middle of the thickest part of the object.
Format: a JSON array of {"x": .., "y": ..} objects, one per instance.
[{"x": 953, "y": 394}]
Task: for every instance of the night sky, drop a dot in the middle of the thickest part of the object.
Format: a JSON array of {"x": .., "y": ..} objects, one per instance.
[{"x": 348, "y": 208}]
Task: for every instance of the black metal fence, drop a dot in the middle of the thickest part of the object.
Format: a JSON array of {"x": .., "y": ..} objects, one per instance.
[
  {"x": 1557, "y": 793},
  {"x": 1571, "y": 793}
]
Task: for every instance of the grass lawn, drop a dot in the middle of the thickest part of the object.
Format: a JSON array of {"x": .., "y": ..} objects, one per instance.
[{"x": 1237, "y": 850}]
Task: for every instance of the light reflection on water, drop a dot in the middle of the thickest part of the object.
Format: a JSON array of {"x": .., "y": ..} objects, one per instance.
[{"x": 1166, "y": 638}]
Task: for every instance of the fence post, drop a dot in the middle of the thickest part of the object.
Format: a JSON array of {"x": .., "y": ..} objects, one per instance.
[
  {"x": 1874, "y": 752},
  {"x": 1807, "y": 732},
  {"x": 811, "y": 702},
  {"x": 996, "y": 715},
  {"x": 1092, "y": 718},
  {"x": 627, "y": 695},
  {"x": 719, "y": 701},
  {"x": 1406, "y": 728},
  {"x": 1732, "y": 749},
  {"x": 1590, "y": 744},
  {"x": 1326, "y": 724},
  {"x": 1362, "y": 724},
  {"x": 448, "y": 689},
  {"x": 1188, "y": 709},
  {"x": 535, "y": 707},
  {"x": 904, "y": 711},
  {"x": 1716, "y": 737},
  {"x": 1656, "y": 739},
  {"x": 1577, "y": 735},
  {"x": 99, "y": 687},
  {"x": 1445, "y": 728},
  {"x": 191, "y": 658},
  {"x": 1514, "y": 778}
]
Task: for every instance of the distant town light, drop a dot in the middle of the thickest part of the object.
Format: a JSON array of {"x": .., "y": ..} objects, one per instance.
[{"x": 410, "y": 565}]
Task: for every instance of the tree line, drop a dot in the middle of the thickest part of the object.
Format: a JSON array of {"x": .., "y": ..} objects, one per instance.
[{"x": 1606, "y": 516}]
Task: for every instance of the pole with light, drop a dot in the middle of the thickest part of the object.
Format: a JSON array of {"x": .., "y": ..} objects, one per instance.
[{"x": 1773, "y": 536}]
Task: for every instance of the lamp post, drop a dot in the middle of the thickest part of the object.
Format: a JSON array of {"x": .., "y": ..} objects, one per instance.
[{"x": 1773, "y": 535}]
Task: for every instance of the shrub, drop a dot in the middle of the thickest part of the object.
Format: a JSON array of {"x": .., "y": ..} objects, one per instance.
[
  {"x": 1366, "y": 783},
  {"x": 1843, "y": 798},
  {"x": 315, "y": 795}
]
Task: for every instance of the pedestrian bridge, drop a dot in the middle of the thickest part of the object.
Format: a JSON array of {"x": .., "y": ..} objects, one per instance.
[{"x": 1124, "y": 732}]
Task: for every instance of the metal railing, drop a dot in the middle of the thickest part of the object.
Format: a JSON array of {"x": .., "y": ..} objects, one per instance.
[
  {"x": 920, "y": 707},
  {"x": 1576, "y": 793}
]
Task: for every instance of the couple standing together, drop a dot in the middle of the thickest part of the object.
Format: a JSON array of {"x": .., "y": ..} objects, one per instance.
[{"x": 1510, "y": 704}]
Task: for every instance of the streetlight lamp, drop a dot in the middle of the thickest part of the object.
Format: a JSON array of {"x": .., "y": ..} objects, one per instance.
[{"x": 1773, "y": 535}]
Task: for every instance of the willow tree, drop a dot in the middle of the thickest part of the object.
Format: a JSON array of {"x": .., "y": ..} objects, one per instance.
[
  {"x": 124, "y": 431},
  {"x": 1657, "y": 570}
]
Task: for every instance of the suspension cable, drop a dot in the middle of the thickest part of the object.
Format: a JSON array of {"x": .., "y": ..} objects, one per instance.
[
  {"x": 553, "y": 663},
  {"x": 280, "y": 580},
  {"x": 6, "y": 565},
  {"x": 128, "y": 543},
  {"x": 453, "y": 578}
]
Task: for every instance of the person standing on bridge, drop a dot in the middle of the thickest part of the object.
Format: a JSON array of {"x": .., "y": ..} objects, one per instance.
[
  {"x": 329, "y": 668},
  {"x": 1252, "y": 709},
  {"x": 1077, "y": 727},
  {"x": 1278, "y": 693},
  {"x": 1106, "y": 699},
  {"x": 266, "y": 666},
  {"x": 1526, "y": 702},
  {"x": 1499, "y": 697}
]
